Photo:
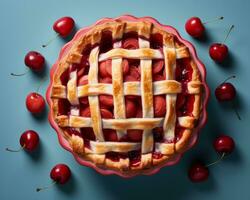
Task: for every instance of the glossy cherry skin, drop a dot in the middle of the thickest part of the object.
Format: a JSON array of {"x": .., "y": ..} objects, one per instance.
[
  {"x": 198, "y": 172},
  {"x": 60, "y": 173},
  {"x": 218, "y": 52},
  {"x": 224, "y": 144},
  {"x": 194, "y": 27},
  {"x": 34, "y": 60},
  {"x": 225, "y": 92},
  {"x": 29, "y": 140},
  {"x": 35, "y": 103},
  {"x": 64, "y": 26}
]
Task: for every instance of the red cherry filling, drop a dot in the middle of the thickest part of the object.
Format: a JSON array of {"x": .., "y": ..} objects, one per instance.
[
  {"x": 134, "y": 135},
  {"x": 158, "y": 134},
  {"x": 185, "y": 101},
  {"x": 63, "y": 107},
  {"x": 131, "y": 109},
  {"x": 156, "y": 41},
  {"x": 157, "y": 155},
  {"x": 178, "y": 133},
  {"x": 114, "y": 156},
  {"x": 134, "y": 157},
  {"x": 159, "y": 106},
  {"x": 130, "y": 41},
  {"x": 106, "y": 41},
  {"x": 73, "y": 131},
  {"x": 105, "y": 68},
  {"x": 106, "y": 100},
  {"x": 133, "y": 106},
  {"x": 110, "y": 135}
]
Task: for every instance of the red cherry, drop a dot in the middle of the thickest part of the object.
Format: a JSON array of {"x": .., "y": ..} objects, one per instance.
[
  {"x": 110, "y": 135},
  {"x": 194, "y": 27},
  {"x": 198, "y": 172},
  {"x": 224, "y": 144},
  {"x": 34, "y": 60},
  {"x": 29, "y": 141},
  {"x": 35, "y": 103},
  {"x": 134, "y": 135},
  {"x": 64, "y": 26},
  {"x": 60, "y": 173},
  {"x": 225, "y": 92},
  {"x": 218, "y": 52}
]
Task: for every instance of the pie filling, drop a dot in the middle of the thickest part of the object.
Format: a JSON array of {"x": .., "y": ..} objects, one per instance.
[{"x": 133, "y": 106}]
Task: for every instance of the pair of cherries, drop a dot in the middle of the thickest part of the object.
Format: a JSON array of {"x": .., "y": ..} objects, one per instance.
[
  {"x": 35, "y": 61},
  {"x": 217, "y": 51},
  {"x": 29, "y": 141},
  {"x": 223, "y": 145}
]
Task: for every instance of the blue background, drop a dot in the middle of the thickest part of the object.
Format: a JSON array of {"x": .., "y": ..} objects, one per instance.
[{"x": 26, "y": 24}]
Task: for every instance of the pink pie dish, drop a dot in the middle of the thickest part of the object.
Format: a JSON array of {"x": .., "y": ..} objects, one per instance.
[{"x": 202, "y": 120}]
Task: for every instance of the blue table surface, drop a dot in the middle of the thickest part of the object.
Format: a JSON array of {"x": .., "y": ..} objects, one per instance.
[{"x": 26, "y": 24}]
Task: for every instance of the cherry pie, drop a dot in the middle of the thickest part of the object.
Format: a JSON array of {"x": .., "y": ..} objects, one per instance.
[{"x": 127, "y": 96}]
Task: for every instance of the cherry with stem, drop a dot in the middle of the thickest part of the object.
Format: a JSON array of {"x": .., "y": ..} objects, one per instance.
[
  {"x": 29, "y": 141},
  {"x": 219, "y": 51},
  {"x": 46, "y": 187},
  {"x": 195, "y": 27},
  {"x": 34, "y": 61},
  {"x": 224, "y": 145},
  {"x": 63, "y": 27},
  {"x": 60, "y": 174},
  {"x": 227, "y": 92},
  {"x": 35, "y": 102}
]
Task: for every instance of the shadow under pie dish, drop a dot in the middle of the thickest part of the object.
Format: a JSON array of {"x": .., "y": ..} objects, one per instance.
[{"x": 127, "y": 96}]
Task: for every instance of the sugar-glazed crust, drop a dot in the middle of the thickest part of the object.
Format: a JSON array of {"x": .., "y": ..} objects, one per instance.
[{"x": 146, "y": 88}]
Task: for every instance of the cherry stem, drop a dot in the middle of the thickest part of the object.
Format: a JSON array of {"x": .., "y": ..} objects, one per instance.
[
  {"x": 45, "y": 45},
  {"x": 236, "y": 111},
  {"x": 20, "y": 149},
  {"x": 218, "y": 160},
  {"x": 229, "y": 31},
  {"x": 39, "y": 86},
  {"x": 213, "y": 20},
  {"x": 230, "y": 77},
  {"x": 46, "y": 187},
  {"x": 13, "y": 74}
]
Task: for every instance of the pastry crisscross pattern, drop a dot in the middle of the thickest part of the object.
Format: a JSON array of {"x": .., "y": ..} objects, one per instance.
[{"x": 146, "y": 88}]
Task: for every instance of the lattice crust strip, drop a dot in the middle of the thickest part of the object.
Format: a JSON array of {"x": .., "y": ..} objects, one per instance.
[{"x": 146, "y": 88}]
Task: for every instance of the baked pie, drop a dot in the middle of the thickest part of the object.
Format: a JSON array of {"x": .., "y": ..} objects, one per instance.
[{"x": 127, "y": 96}]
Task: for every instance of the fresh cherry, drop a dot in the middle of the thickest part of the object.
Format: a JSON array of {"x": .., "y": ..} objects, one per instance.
[
  {"x": 34, "y": 60},
  {"x": 29, "y": 141},
  {"x": 195, "y": 27},
  {"x": 224, "y": 144},
  {"x": 226, "y": 92},
  {"x": 63, "y": 27},
  {"x": 198, "y": 172},
  {"x": 35, "y": 103},
  {"x": 219, "y": 51},
  {"x": 60, "y": 173}
]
